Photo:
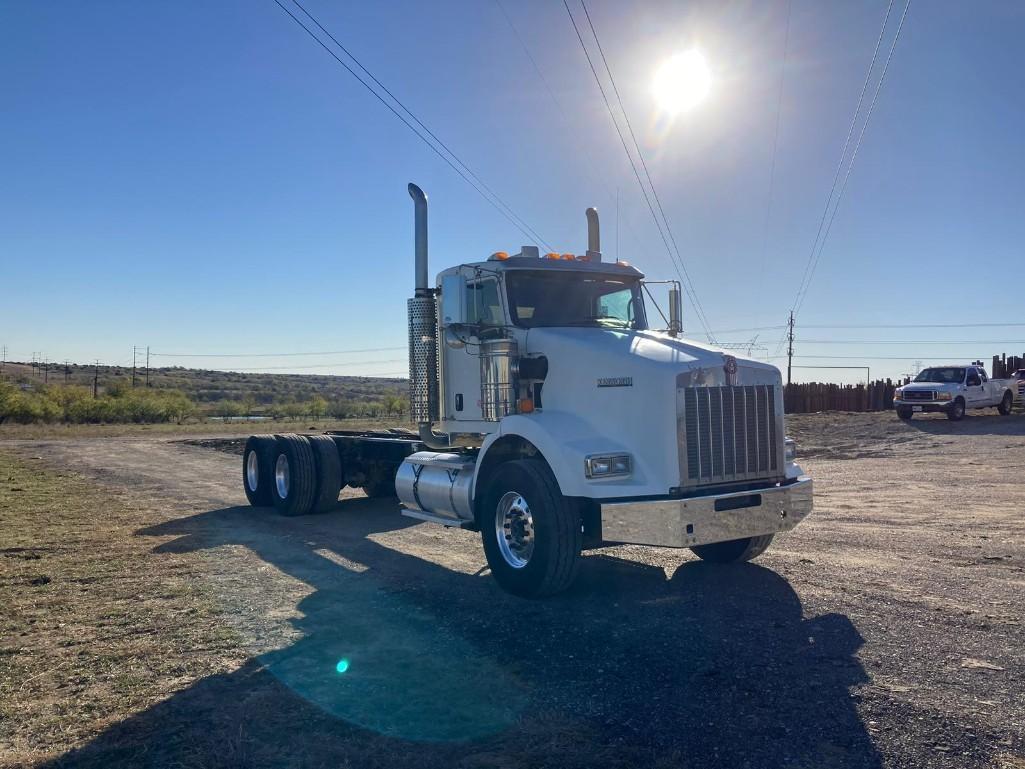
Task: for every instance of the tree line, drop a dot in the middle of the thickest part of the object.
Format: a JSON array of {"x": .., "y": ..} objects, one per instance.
[{"x": 118, "y": 403}]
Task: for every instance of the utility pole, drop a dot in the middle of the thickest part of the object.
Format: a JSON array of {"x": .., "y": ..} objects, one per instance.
[
  {"x": 3, "y": 361},
  {"x": 790, "y": 346},
  {"x": 67, "y": 371},
  {"x": 96, "y": 378},
  {"x": 134, "y": 350},
  {"x": 46, "y": 371},
  {"x": 147, "y": 365}
]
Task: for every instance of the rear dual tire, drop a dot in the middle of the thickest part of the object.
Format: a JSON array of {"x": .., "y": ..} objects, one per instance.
[
  {"x": 257, "y": 469},
  {"x": 294, "y": 490}
]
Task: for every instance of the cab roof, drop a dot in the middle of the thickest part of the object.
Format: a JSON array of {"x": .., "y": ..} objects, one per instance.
[{"x": 618, "y": 269}]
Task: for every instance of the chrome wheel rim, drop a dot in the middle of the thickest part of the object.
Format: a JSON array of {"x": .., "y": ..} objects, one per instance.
[
  {"x": 514, "y": 529},
  {"x": 252, "y": 470},
  {"x": 281, "y": 476}
]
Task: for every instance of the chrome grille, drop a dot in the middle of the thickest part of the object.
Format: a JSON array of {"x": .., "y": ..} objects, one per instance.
[
  {"x": 919, "y": 395},
  {"x": 729, "y": 434}
]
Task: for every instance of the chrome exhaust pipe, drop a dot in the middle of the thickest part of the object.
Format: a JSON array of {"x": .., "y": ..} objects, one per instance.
[
  {"x": 593, "y": 236},
  {"x": 423, "y": 326},
  {"x": 423, "y": 279}
]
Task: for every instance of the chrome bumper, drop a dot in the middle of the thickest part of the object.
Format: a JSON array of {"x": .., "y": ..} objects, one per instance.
[{"x": 703, "y": 520}]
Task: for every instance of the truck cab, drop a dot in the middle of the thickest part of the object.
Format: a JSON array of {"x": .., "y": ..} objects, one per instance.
[
  {"x": 554, "y": 416},
  {"x": 953, "y": 390}
]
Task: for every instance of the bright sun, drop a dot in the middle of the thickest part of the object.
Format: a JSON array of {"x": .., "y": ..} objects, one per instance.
[{"x": 682, "y": 82}]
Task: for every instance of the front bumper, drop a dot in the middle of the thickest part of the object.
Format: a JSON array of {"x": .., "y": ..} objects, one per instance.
[
  {"x": 704, "y": 520},
  {"x": 927, "y": 406}
]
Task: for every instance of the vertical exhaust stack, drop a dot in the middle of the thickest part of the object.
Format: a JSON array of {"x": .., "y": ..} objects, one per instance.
[
  {"x": 423, "y": 327},
  {"x": 593, "y": 236}
]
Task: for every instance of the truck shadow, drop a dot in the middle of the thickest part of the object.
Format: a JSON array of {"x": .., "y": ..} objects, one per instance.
[
  {"x": 974, "y": 423},
  {"x": 395, "y": 660}
]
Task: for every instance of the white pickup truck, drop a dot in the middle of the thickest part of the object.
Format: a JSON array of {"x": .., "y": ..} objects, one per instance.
[{"x": 952, "y": 390}]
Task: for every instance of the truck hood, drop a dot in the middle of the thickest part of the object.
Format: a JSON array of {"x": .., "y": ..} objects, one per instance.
[
  {"x": 919, "y": 386},
  {"x": 611, "y": 354}
]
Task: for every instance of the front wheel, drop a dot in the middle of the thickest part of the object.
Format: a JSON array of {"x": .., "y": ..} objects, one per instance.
[
  {"x": 955, "y": 412},
  {"x": 531, "y": 533},
  {"x": 905, "y": 412},
  {"x": 1005, "y": 405},
  {"x": 734, "y": 550}
]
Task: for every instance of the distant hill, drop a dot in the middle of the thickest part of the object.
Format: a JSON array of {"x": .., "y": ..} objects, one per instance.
[{"x": 205, "y": 386}]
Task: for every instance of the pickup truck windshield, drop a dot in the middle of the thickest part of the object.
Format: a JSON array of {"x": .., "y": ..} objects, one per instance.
[
  {"x": 549, "y": 298},
  {"x": 942, "y": 375}
]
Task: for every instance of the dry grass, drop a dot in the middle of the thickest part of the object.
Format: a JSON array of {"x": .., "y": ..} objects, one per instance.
[
  {"x": 51, "y": 431},
  {"x": 95, "y": 627}
]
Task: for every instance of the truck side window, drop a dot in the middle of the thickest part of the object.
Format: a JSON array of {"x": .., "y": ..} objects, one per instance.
[
  {"x": 483, "y": 307},
  {"x": 973, "y": 377}
]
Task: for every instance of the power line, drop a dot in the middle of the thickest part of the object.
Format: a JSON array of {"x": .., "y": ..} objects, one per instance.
[
  {"x": 564, "y": 115},
  {"x": 843, "y": 152},
  {"x": 273, "y": 355},
  {"x": 775, "y": 142},
  {"x": 922, "y": 325},
  {"x": 699, "y": 310},
  {"x": 647, "y": 199},
  {"x": 913, "y": 341},
  {"x": 854, "y": 155},
  {"x": 497, "y": 203},
  {"x": 862, "y": 357}
]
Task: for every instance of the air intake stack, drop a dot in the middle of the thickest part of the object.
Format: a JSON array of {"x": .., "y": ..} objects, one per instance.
[{"x": 423, "y": 326}]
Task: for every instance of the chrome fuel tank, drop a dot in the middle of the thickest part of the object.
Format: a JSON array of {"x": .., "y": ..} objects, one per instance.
[{"x": 437, "y": 483}]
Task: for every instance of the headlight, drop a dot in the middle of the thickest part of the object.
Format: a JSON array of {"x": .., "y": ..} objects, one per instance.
[
  {"x": 943, "y": 396},
  {"x": 606, "y": 466},
  {"x": 898, "y": 394},
  {"x": 790, "y": 451}
]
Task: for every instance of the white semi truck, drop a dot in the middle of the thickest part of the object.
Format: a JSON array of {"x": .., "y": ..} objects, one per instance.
[{"x": 553, "y": 418}]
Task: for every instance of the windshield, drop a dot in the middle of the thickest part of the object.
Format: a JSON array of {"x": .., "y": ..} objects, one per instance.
[
  {"x": 550, "y": 298},
  {"x": 943, "y": 375}
]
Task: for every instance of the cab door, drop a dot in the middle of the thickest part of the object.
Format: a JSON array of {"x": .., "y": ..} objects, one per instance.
[{"x": 975, "y": 388}]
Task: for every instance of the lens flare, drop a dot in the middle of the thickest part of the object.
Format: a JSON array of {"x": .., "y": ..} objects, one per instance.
[
  {"x": 342, "y": 666},
  {"x": 682, "y": 82}
]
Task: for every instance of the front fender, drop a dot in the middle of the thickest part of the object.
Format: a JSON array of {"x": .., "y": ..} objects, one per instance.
[{"x": 565, "y": 441}]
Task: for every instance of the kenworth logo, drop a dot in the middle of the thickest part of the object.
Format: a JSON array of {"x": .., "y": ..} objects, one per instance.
[{"x": 616, "y": 381}]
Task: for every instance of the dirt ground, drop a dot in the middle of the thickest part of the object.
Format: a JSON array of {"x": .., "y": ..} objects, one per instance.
[{"x": 886, "y": 630}]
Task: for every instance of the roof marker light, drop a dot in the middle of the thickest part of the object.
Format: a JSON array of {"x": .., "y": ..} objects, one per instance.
[
  {"x": 499, "y": 256},
  {"x": 567, "y": 256}
]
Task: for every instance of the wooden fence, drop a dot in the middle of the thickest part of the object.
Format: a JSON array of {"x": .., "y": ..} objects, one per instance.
[
  {"x": 876, "y": 396},
  {"x": 810, "y": 397},
  {"x": 1005, "y": 365}
]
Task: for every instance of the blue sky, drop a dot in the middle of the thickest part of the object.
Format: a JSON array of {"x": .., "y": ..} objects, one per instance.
[{"x": 203, "y": 178}]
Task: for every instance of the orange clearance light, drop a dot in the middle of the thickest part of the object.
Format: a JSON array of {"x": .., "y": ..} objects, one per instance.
[
  {"x": 567, "y": 256},
  {"x": 551, "y": 256},
  {"x": 500, "y": 256},
  {"x": 526, "y": 405}
]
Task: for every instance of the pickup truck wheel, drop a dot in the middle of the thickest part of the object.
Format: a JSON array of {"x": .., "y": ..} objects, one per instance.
[
  {"x": 955, "y": 412},
  {"x": 257, "y": 469},
  {"x": 904, "y": 412},
  {"x": 1005, "y": 405},
  {"x": 295, "y": 479},
  {"x": 734, "y": 550},
  {"x": 531, "y": 533},
  {"x": 328, "y": 466}
]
